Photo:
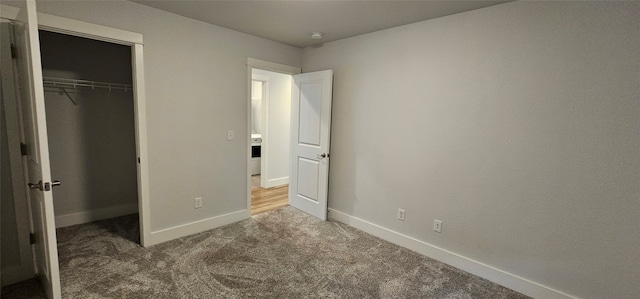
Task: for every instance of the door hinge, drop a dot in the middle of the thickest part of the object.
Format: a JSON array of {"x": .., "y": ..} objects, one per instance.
[
  {"x": 24, "y": 149},
  {"x": 14, "y": 51},
  {"x": 32, "y": 238}
]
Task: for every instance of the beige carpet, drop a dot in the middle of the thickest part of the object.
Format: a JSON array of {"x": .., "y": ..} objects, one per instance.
[{"x": 279, "y": 254}]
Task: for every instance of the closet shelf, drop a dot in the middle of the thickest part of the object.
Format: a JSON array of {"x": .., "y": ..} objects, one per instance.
[{"x": 75, "y": 83}]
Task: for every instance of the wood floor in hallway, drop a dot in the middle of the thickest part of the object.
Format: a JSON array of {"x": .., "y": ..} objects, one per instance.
[{"x": 268, "y": 199}]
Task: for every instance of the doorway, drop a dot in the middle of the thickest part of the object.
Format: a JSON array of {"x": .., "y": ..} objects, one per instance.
[
  {"x": 91, "y": 129},
  {"x": 269, "y": 116},
  {"x": 270, "y": 139},
  {"x": 309, "y": 125},
  {"x": 40, "y": 217},
  {"x": 89, "y": 101}
]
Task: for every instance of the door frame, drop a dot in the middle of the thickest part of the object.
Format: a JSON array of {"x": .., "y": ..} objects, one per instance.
[
  {"x": 135, "y": 41},
  {"x": 264, "y": 117},
  {"x": 266, "y": 66}
]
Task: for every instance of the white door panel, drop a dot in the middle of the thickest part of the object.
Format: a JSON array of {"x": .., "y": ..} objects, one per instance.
[
  {"x": 308, "y": 174},
  {"x": 310, "y": 113},
  {"x": 35, "y": 129},
  {"x": 310, "y": 136}
]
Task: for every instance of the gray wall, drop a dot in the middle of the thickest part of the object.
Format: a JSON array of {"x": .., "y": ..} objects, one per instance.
[
  {"x": 196, "y": 89},
  {"x": 91, "y": 144},
  {"x": 517, "y": 125}
]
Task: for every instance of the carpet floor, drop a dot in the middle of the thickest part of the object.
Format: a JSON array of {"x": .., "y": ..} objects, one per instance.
[{"x": 278, "y": 254}]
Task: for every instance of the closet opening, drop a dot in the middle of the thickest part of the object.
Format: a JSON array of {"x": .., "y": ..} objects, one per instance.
[{"x": 89, "y": 100}]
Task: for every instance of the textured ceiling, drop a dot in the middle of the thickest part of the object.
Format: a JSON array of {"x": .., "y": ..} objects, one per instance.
[{"x": 292, "y": 22}]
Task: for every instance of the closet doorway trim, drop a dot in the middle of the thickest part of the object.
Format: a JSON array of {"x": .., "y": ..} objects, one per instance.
[{"x": 98, "y": 32}]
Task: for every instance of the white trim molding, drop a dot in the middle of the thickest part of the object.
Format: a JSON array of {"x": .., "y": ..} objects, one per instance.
[
  {"x": 195, "y": 227},
  {"x": 140, "y": 115},
  {"x": 506, "y": 279},
  {"x": 77, "y": 28},
  {"x": 95, "y": 215},
  {"x": 272, "y": 66},
  {"x": 277, "y": 182},
  {"x": 88, "y": 30}
]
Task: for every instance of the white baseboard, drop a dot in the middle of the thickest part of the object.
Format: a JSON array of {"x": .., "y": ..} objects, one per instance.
[
  {"x": 179, "y": 231},
  {"x": 498, "y": 276},
  {"x": 277, "y": 182},
  {"x": 94, "y": 215}
]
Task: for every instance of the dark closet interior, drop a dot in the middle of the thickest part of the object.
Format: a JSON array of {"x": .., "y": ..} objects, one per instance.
[{"x": 90, "y": 124}]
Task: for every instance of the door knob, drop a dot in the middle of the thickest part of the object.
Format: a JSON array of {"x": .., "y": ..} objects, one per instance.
[
  {"x": 322, "y": 156},
  {"x": 44, "y": 186},
  {"x": 39, "y": 185}
]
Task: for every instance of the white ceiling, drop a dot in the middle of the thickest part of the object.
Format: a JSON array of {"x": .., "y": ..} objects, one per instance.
[{"x": 292, "y": 22}]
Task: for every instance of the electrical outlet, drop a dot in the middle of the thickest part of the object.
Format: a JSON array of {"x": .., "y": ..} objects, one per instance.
[
  {"x": 230, "y": 135},
  {"x": 401, "y": 214},
  {"x": 197, "y": 202},
  {"x": 437, "y": 225}
]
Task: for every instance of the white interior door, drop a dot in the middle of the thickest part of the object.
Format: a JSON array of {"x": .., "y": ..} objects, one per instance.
[
  {"x": 19, "y": 266},
  {"x": 37, "y": 160},
  {"x": 310, "y": 135}
]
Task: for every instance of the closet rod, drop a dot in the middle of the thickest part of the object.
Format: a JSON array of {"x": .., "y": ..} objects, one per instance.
[{"x": 75, "y": 83}]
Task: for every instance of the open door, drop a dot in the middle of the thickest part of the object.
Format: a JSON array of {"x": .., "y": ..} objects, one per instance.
[
  {"x": 310, "y": 135},
  {"x": 19, "y": 265},
  {"x": 34, "y": 126}
]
